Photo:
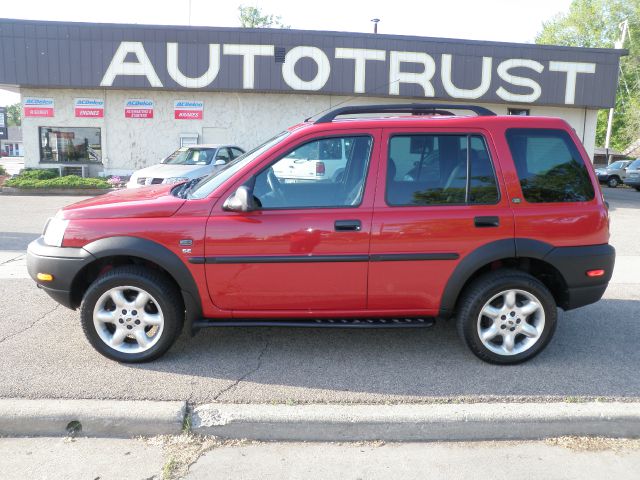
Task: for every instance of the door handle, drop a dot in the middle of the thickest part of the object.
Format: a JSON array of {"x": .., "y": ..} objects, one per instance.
[
  {"x": 483, "y": 222},
  {"x": 347, "y": 225}
]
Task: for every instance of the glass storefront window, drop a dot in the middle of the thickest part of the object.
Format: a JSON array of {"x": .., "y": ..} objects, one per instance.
[{"x": 70, "y": 144}]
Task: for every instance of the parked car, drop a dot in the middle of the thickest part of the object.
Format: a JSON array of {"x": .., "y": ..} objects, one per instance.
[
  {"x": 613, "y": 174},
  {"x": 186, "y": 163},
  {"x": 509, "y": 225},
  {"x": 632, "y": 174}
]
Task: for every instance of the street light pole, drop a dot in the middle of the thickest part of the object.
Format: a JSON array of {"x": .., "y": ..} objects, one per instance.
[{"x": 624, "y": 26}]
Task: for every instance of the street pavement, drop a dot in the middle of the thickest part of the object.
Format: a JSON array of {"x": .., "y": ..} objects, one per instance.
[{"x": 593, "y": 355}]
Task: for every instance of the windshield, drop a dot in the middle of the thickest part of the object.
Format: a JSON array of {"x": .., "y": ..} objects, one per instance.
[
  {"x": 191, "y": 156},
  {"x": 635, "y": 165},
  {"x": 209, "y": 184},
  {"x": 616, "y": 165}
]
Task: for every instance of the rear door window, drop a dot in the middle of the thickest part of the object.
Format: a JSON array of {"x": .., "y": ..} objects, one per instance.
[
  {"x": 549, "y": 166},
  {"x": 440, "y": 169}
]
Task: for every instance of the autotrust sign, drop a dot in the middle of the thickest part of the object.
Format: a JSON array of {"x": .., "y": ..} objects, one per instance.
[
  {"x": 404, "y": 68},
  {"x": 295, "y": 61}
]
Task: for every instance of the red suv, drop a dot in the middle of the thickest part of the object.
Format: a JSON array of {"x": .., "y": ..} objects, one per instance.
[{"x": 492, "y": 220}]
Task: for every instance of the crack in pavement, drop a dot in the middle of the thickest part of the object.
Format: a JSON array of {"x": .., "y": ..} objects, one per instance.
[
  {"x": 250, "y": 372},
  {"x": 41, "y": 317},
  {"x": 13, "y": 259}
]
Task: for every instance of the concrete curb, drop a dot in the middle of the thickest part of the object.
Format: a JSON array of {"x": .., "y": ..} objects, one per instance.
[
  {"x": 328, "y": 423},
  {"x": 97, "y": 418},
  {"x": 434, "y": 422}
]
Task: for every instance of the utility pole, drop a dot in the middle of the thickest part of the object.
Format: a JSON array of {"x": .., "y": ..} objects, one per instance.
[
  {"x": 624, "y": 27},
  {"x": 375, "y": 24}
]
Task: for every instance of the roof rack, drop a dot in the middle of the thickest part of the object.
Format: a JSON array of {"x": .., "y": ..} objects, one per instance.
[{"x": 413, "y": 108}]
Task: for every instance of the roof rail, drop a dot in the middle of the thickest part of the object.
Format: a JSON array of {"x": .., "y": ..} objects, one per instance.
[{"x": 413, "y": 108}]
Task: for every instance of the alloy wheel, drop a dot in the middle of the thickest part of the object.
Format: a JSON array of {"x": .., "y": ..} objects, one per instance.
[
  {"x": 128, "y": 319},
  {"x": 511, "y": 322}
]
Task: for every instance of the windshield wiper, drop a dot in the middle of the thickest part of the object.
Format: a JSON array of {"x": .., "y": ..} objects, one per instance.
[
  {"x": 187, "y": 187},
  {"x": 181, "y": 190}
]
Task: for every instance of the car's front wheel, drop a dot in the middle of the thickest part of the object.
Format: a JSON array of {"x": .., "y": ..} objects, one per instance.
[
  {"x": 613, "y": 182},
  {"x": 132, "y": 314},
  {"x": 506, "y": 316}
]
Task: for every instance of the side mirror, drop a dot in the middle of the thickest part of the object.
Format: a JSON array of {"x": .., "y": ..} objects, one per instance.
[
  {"x": 219, "y": 163},
  {"x": 241, "y": 201}
]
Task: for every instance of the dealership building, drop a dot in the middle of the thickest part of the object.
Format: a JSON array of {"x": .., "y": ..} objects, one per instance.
[{"x": 110, "y": 99}]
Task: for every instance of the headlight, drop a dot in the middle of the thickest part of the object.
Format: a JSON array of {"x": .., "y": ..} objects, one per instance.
[
  {"x": 54, "y": 231},
  {"x": 176, "y": 179}
]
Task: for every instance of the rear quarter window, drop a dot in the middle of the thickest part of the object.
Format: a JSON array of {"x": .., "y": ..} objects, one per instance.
[{"x": 549, "y": 165}]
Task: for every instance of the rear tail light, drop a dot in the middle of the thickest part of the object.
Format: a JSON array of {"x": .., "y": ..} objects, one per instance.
[
  {"x": 595, "y": 273},
  {"x": 320, "y": 169}
]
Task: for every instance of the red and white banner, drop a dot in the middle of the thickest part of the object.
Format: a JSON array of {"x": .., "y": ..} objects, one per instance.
[
  {"x": 38, "y": 107},
  {"x": 188, "y": 110},
  {"x": 89, "y": 107},
  {"x": 138, "y": 108}
]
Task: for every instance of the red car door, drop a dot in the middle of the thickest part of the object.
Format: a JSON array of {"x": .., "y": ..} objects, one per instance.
[
  {"x": 427, "y": 220},
  {"x": 305, "y": 250}
]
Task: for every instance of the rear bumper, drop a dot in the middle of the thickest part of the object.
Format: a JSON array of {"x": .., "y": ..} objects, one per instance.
[
  {"x": 573, "y": 263},
  {"x": 63, "y": 264}
]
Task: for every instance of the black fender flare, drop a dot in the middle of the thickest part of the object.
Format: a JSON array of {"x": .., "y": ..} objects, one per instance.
[
  {"x": 490, "y": 252},
  {"x": 154, "y": 252},
  {"x": 487, "y": 253}
]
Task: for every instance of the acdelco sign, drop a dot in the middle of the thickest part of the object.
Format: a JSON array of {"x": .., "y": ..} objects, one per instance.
[
  {"x": 513, "y": 72},
  {"x": 143, "y": 57}
]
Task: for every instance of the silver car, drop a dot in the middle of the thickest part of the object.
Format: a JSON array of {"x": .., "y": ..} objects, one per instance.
[
  {"x": 186, "y": 163},
  {"x": 632, "y": 175},
  {"x": 612, "y": 174}
]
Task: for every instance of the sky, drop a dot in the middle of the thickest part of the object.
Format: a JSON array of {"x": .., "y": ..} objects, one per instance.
[{"x": 497, "y": 20}]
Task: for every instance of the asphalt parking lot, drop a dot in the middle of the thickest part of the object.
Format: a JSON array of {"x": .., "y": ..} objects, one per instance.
[{"x": 594, "y": 353}]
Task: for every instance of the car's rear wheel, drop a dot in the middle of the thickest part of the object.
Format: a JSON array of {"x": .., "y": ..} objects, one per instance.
[
  {"x": 506, "y": 317},
  {"x": 613, "y": 182},
  {"x": 132, "y": 314}
]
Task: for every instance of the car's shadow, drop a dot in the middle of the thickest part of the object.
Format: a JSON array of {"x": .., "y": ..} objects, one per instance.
[
  {"x": 16, "y": 241},
  {"x": 594, "y": 353}
]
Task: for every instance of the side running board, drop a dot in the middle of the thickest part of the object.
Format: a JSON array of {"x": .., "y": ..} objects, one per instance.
[{"x": 320, "y": 323}]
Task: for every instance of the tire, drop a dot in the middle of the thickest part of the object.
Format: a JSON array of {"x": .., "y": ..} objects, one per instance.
[
  {"x": 637, "y": 189},
  {"x": 491, "y": 290},
  {"x": 124, "y": 331},
  {"x": 613, "y": 182}
]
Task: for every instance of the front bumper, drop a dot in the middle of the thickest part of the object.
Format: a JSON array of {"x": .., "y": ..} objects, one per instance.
[
  {"x": 573, "y": 263},
  {"x": 632, "y": 181},
  {"x": 61, "y": 262}
]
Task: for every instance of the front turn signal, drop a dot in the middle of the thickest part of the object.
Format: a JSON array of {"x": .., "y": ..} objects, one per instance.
[{"x": 44, "y": 277}]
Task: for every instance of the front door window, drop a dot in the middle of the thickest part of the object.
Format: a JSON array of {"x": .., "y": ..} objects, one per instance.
[{"x": 328, "y": 172}]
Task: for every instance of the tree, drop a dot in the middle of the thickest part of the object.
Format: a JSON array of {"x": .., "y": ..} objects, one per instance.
[
  {"x": 14, "y": 115},
  {"x": 596, "y": 24},
  {"x": 253, "y": 17}
]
